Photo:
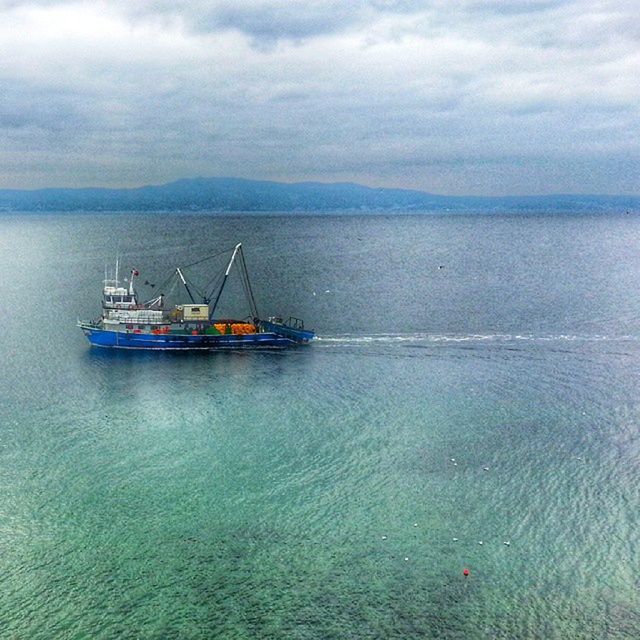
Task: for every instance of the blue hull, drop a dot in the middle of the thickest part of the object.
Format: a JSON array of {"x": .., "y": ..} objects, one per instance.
[{"x": 179, "y": 342}]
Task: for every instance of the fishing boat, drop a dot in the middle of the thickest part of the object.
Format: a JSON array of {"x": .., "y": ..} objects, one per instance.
[{"x": 127, "y": 323}]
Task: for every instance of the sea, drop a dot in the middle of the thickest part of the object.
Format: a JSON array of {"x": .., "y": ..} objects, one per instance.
[{"x": 471, "y": 406}]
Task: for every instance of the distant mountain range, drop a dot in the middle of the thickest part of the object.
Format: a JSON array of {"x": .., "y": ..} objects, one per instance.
[{"x": 238, "y": 195}]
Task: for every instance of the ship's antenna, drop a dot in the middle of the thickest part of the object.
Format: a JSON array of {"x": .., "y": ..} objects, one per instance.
[{"x": 134, "y": 273}]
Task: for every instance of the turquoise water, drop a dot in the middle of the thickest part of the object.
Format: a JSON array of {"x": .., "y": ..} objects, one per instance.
[{"x": 312, "y": 493}]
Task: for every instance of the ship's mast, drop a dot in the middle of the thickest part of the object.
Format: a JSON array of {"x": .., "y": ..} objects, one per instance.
[
  {"x": 224, "y": 280},
  {"x": 184, "y": 282},
  {"x": 247, "y": 284}
]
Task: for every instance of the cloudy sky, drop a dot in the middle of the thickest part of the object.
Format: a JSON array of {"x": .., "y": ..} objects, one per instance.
[{"x": 448, "y": 96}]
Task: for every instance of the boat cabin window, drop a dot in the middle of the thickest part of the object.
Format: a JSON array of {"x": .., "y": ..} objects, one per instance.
[{"x": 116, "y": 299}]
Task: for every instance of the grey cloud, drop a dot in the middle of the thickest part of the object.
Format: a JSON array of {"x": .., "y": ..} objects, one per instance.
[
  {"x": 272, "y": 21},
  {"x": 23, "y": 105},
  {"x": 266, "y": 21},
  {"x": 448, "y": 96},
  {"x": 513, "y": 7}
]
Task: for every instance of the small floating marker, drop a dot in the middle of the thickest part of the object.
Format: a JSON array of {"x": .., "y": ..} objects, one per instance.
[
  {"x": 465, "y": 572},
  {"x": 415, "y": 524},
  {"x": 406, "y": 559}
]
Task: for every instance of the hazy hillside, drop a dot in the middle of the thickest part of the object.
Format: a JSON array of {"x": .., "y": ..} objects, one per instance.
[{"x": 235, "y": 194}]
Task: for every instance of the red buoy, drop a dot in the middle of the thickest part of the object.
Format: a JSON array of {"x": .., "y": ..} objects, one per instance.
[{"x": 465, "y": 572}]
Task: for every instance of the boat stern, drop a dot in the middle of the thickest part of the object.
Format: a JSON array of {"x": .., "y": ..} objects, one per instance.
[{"x": 293, "y": 329}]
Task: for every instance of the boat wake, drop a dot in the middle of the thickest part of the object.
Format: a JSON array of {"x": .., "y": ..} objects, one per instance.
[{"x": 418, "y": 339}]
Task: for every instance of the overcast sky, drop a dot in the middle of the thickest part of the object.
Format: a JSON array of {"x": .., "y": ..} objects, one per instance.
[{"x": 453, "y": 97}]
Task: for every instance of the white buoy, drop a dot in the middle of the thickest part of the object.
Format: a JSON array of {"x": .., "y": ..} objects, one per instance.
[
  {"x": 415, "y": 524},
  {"x": 406, "y": 559}
]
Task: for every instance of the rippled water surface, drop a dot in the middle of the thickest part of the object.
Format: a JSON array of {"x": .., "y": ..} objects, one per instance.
[{"x": 472, "y": 402}]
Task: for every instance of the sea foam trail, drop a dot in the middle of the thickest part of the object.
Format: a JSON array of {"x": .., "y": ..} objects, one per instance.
[{"x": 426, "y": 338}]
